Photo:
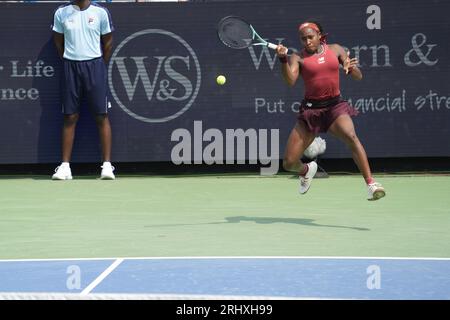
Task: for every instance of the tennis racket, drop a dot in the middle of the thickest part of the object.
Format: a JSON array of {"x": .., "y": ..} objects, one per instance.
[{"x": 236, "y": 33}]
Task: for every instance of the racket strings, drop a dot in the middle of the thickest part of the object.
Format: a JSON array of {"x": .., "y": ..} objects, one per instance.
[{"x": 235, "y": 33}]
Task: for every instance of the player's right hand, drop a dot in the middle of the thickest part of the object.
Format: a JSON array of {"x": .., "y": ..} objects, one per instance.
[{"x": 281, "y": 51}]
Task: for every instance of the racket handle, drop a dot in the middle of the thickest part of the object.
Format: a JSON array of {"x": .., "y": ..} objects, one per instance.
[{"x": 274, "y": 46}]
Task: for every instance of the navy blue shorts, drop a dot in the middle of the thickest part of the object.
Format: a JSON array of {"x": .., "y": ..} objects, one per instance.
[{"x": 85, "y": 80}]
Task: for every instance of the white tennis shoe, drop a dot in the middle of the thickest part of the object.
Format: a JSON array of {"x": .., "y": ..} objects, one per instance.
[
  {"x": 305, "y": 181},
  {"x": 62, "y": 172},
  {"x": 107, "y": 172},
  {"x": 375, "y": 191}
]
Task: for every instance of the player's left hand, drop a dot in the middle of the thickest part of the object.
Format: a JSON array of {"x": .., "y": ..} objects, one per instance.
[{"x": 349, "y": 64}]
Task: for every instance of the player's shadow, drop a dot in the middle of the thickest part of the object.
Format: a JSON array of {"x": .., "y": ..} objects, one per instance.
[
  {"x": 263, "y": 220},
  {"x": 50, "y": 121},
  {"x": 305, "y": 222}
]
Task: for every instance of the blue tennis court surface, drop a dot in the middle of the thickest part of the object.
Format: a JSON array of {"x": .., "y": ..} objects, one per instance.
[{"x": 270, "y": 277}]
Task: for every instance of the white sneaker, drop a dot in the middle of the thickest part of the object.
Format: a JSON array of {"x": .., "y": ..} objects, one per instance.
[
  {"x": 376, "y": 191},
  {"x": 305, "y": 182},
  {"x": 107, "y": 172},
  {"x": 62, "y": 172}
]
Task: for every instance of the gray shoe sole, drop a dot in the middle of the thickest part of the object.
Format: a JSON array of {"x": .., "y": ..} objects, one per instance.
[{"x": 377, "y": 195}]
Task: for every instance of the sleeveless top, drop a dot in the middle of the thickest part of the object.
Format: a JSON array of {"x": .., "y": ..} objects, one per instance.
[{"x": 320, "y": 73}]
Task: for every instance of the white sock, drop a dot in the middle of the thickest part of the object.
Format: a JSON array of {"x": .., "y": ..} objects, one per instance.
[
  {"x": 65, "y": 164},
  {"x": 107, "y": 163}
]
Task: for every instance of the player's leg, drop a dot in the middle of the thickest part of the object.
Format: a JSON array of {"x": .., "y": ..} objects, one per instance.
[
  {"x": 343, "y": 129},
  {"x": 71, "y": 88},
  {"x": 68, "y": 135},
  {"x": 97, "y": 95},
  {"x": 104, "y": 130},
  {"x": 299, "y": 139},
  {"x": 63, "y": 171}
]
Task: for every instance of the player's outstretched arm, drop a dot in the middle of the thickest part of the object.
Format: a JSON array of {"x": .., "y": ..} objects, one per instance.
[{"x": 289, "y": 65}]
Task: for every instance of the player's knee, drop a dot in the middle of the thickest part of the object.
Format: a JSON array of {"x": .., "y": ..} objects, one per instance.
[
  {"x": 71, "y": 119},
  {"x": 101, "y": 119},
  {"x": 351, "y": 139}
]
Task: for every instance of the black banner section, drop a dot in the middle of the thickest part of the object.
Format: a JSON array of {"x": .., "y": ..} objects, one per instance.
[{"x": 162, "y": 79}]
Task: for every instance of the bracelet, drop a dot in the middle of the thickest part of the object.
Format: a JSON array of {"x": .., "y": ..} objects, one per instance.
[{"x": 283, "y": 59}]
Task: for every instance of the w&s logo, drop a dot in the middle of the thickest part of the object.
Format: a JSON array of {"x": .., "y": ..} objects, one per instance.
[{"x": 154, "y": 75}]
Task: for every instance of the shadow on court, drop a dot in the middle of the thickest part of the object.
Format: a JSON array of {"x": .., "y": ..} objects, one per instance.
[
  {"x": 263, "y": 220},
  {"x": 305, "y": 222}
]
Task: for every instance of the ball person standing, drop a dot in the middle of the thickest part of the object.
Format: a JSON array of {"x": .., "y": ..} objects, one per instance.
[{"x": 82, "y": 33}]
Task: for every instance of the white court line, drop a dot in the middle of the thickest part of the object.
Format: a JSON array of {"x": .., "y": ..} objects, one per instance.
[
  {"x": 145, "y": 296},
  {"x": 101, "y": 277},
  {"x": 229, "y": 257}
]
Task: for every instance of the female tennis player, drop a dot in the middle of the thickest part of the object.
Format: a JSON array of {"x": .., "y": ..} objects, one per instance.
[{"x": 323, "y": 109}]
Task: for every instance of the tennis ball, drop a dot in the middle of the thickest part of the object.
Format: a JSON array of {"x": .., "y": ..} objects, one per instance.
[{"x": 221, "y": 80}]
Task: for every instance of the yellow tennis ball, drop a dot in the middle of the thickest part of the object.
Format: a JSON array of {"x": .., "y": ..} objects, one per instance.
[{"x": 221, "y": 80}]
